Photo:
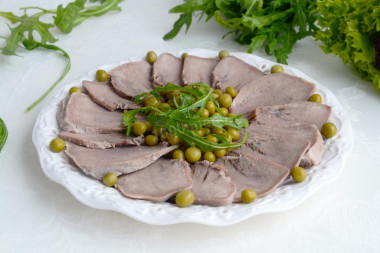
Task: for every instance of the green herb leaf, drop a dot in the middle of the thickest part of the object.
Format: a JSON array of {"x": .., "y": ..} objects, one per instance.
[
  {"x": 184, "y": 19},
  {"x": 3, "y": 134},
  {"x": 275, "y": 25}
]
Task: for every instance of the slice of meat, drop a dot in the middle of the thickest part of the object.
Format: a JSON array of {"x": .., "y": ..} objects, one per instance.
[
  {"x": 79, "y": 114},
  {"x": 255, "y": 173},
  {"x": 102, "y": 141},
  {"x": 313, "y": 155},
  {"x": 157, "y": 182},
  {"x": 167, "y": 69},
  {"x": 282, "y": 150},
  {"x": 210, "y": 185},
  {"x": 273, "y": 89},
  {"x": 104, "y": 95},
  {"x": 231, "y": 71},
  {"x": 98, "y": 162},
  {"x": 197, "y": 69},
  {"x": 132, "y": 78},
  {"x": 290, "y": 114}
]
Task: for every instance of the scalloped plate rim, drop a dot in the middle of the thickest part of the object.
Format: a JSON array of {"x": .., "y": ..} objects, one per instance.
[{"x": 206, "y": 215}]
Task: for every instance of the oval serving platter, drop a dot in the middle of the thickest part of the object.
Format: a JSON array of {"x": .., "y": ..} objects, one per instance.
[{"x": 93, "y": 193}]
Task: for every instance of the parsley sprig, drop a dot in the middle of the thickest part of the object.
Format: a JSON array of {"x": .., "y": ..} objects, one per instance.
[{"x": 192, "y": 102}]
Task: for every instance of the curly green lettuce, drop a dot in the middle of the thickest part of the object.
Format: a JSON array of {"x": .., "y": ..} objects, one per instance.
[{"x": 350, "y": 29}]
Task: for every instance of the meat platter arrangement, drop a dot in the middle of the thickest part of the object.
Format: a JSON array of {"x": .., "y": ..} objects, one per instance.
[{"x": 191, "y": 131}]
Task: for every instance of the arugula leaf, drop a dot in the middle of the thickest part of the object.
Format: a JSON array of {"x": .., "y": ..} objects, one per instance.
[
  {"x": 190, "y": 137},
  {"x": 173, "y": 119},
  {"x": 275, "y": 25},
  {"x": 3, "y": 134},
  {"x": 21, "y": 36}
]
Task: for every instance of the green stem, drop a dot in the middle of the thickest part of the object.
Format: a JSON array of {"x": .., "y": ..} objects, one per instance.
[
  {"x": 68, "y": 65},
  {"x": 3, "y": 134}
]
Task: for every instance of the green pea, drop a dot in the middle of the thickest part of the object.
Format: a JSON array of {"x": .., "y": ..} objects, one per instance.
[
  {"x": 173, "y": 139},
  {"x": 205, "y": 113},
  {"x": 230, "y": 115},
  {"x": 139, "y": 128},
  {"x": 209, "y": 156},
  {"x": 184, "y": 198},
  {"x": 277, "y": 69},
  {"x": 225, "y": 100},
  {"x": 206, "y": 131},
  {"x": 223, "y": 53},
  {"x": 316, "y": 98},
  {"x": 75, "y": 89},
  {"x": 149, "y": 126},
  {"x": 248, "y": 196},
  {"x": 110, "y": 179},
  {"x": 329, "y": 130},
  {"x": 224, "y": 111},
  {"x": 212, "y": 138},
  {"x": 151, "y": 57},
  {"x": 193, "y": 154},
  {"x": 101, "y": 75},
  {"x": 232, "y": 91},
  {"x": 217, "y": 130},
  {"x": 152, "y": 101},
  {"x": 234, "y": 133},
  {"x": 210, "y": 106},
  {"x": 57, "y": 145},
  {"x": 183, "y": 56},
  {"x": 151, "y": 140},
  {"x": 298, "y": 174},
  {"x": 220, "y": 152},
  {"x": 178, "y": 154}
]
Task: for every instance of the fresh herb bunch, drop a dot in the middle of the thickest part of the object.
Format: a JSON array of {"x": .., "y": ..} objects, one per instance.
[
  {"x": 65, "y": 19},
  {"x": 273, "y": 24},
  {"x": 350, "y": 29},
  {"x": 3, "y": 134},
  {"x": 188, "y": 110}
]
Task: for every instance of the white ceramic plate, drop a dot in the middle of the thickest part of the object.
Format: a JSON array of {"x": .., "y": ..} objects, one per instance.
[{"x": 94, "y": 194}]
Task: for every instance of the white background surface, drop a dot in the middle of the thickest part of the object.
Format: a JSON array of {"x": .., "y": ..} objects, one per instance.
[{"x": 37, "y": 215}]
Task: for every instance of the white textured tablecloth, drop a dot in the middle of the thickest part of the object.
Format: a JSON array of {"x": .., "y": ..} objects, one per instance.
[{"x": 38, "y": 215}]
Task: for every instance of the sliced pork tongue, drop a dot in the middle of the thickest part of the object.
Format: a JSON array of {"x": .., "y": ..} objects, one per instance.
[
  {"x": 79, "y": 114},
  {"x": 197, "y": 69},
  {"x": 308, "y": 132},
  {"x": 132, "y": 78},
  {"x": 157, "y": 182},
  {"x": 210, "y": 185},
  {"x": 98, "y": 162},
  {"x": 281, "y": 150},
  {"x": 255, "y": 173},
  {"x": 231, "y": 71},
  {"x": 167, "y": 69},
  {"x": 274, "y": 89},
  {"x": 105, "y": 95},
  {"x": 102, "y": 141},
  {"x": 293, "y": 113}
]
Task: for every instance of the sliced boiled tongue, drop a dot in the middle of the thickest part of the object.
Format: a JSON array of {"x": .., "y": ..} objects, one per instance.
[
  {"x": 79, "y": 114},
  {"x": 231, "y": 71},
  {"x": 167, "y": 69},
  {"x": 132, "y": 78},
  {"x": 253, "y": 172},
  {"x": 210, "y": 185},
  {"x": 273, "y": 89},
  {"x": 157, "y": 182},
  {"x": 98, "y": 162},
  {"x": 102, "y": 141},
  {"x": 197, "y": 69},
  {"x": 290, "y": 114},
  {"x": 282, "y": 150},
  {"x": 104, "y": 95}
]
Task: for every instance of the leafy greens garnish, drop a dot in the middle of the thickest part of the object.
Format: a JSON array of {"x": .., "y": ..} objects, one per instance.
[
  {"x": 192, "y": 102},
  {"x": 275, "y": 25},
  {"x": 350, "y": 29},
  {"x": 3, "y": 134},
  {"x": 65, "y": 19}
]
